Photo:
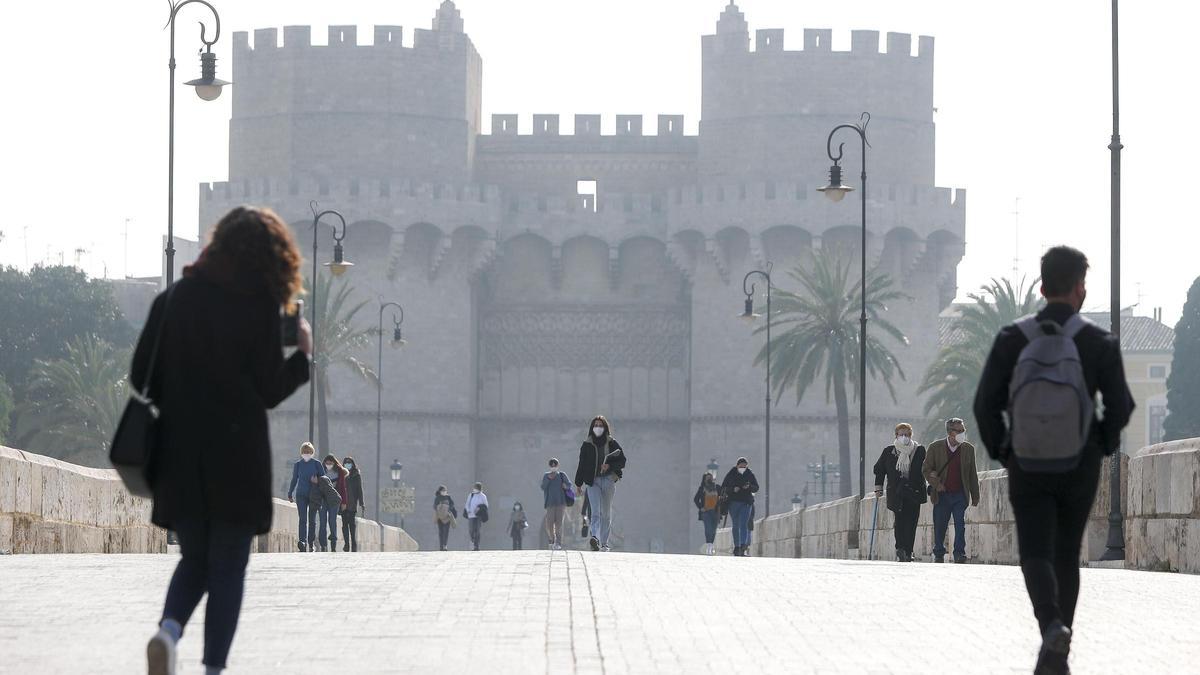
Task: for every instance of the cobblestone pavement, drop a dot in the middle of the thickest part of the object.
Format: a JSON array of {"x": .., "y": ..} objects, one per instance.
[{"x": 554, "y": 613}]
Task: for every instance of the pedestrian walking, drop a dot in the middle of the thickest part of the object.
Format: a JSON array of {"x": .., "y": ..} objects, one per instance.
[
  {"x": 708, "y": 502},
  {"x": 899, "y": 467},
  {"x": 444, "y": 514},
  {"x": 739, "y": 487},
  {"x": 354, "y": 505},
  {"x": 220, "y": 368},
  {"x": 950, "y": 470},
  {"x": 476, "y": 510},
  {"x": 517, "y": 524},
  {"x": 304, "y": 481},
  {"x": 558, "y": 495},
  {"x": 1034, "y": 407},
  {"x": 335, "y": 500},
  {"x": 601, "y": 465}
]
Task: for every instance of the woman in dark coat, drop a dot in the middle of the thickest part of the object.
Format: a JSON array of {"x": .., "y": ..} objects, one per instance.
[
  {"x": 444, "y": 514},
  {"x": 707, "y": 501},
  {"x": 739, "y": 487},
  {"x": 354, "y": 504},
  {"x": 901, "y": 463},
  {"x": 220, "y": 368}
]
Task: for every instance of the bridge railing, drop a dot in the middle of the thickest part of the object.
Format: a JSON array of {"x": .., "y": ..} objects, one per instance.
[
  {"x": 51, "y": 506},
  {"x": 1160, "y": 483}
]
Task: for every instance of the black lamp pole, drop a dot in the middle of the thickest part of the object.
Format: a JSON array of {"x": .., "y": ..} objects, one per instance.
[
  {"x": 337, "y": 267},
  {"x": 397, "y": 341},
  {"x": 208, "y": 87},
  {"x": 749, "y": 315},
  {"x": 1115, "y": 546},
  {"x": 835, "y": 191}
]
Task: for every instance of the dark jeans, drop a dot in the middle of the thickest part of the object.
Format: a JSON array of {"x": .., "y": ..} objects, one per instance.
[
  {"x": 906, "y": 525},
  {"x": 517, "y": 541},
  {"x": 739, "y": 513},
  {"x": 214, "y": 557},
  {"x": 473, "y": 526},
  {"x": 350, "y": 529},
  {"x": 709, "y": 518},
  {"x": 1051, "y": 510},
  {"x": 307, "y": 513},
  {"x": 443, "y": 534},
  {"x": 328, "y": 517},
  {"x": 950, "y": 504}
]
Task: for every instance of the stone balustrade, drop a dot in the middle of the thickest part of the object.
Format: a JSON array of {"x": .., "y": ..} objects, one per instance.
[
  {"x": 1161, "y": 484},
  {"x": 50, "y": 506}
]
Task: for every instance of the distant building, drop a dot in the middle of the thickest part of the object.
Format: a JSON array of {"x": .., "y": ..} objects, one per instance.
[
  {"x": 186, "y": 252},
  {"x": 134, "y": 297}
]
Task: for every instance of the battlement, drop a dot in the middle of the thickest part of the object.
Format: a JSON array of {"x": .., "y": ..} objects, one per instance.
[
  {"x": 586, "y": 125},
  {"x": 820, "y": 40},
  {"x": 386, "y": 37}
]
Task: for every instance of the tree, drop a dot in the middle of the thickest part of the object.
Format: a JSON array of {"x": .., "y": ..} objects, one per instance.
[
  {"x": 338, "y": 341},
  {"x": 952, "y": 378},
  {"x": 1183, "y": 384},
  {"x": 820, "y": 336},
  {"x": 75, "y": 402},
  {"x": 44, "y": 309}
]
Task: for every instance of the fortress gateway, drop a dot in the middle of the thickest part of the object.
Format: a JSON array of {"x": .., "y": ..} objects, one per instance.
[{"x": 530, "y": 307}]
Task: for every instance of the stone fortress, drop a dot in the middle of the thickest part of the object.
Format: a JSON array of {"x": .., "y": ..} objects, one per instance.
[{"x": 532, "y": 304}]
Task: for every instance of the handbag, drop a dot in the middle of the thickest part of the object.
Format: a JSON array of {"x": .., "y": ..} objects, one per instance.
[
  {"x": 134, "y": 445},
  {"x": 569, "y": 494}
]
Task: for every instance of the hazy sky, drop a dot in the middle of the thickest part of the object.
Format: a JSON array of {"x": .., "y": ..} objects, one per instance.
[{"x": 1022, "y": 90}]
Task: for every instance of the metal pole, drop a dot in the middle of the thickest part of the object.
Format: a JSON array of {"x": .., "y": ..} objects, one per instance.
[
  {"x": 862, "y": 335},
  {"x": 379, "y": 418},
  {"x": 767, "y": 482},
  {"x": 1115, "y": 546},
  {"x": 312, "y": 375}
]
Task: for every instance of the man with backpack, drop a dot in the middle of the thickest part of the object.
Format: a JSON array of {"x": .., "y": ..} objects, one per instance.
[
  {"x": 1043, "y": 373},
  {"x": 950, "y": 470}
]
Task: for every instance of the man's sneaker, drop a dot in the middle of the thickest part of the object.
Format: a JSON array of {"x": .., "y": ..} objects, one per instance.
[
  {"x": 737, "y": 551},
  {"x": 594, "y": 543},
  {"x": 346, "y": 547},
  {"x": 939, "y": 559},
  {"x": 605, "y": 548},
  {"x": 160, "y": 654},
  {"x": 556, "y": 547},
  {"x": 960, "y": 559},
  {"x": 1056, "y": 645},
  {"x": 302, "y": 546}
]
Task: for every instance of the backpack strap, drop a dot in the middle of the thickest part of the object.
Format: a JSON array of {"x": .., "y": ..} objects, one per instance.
[
  {"x": 1029, "y": 327},
  {"x": 1076, "y": 323}
]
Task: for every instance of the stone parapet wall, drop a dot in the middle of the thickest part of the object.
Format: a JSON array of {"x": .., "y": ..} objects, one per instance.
[
  {"x": 50, "y": 506},
  {"x": 1162, "y": 527}
]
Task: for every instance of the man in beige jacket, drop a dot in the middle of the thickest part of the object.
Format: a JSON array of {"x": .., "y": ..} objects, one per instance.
[{"x": 950, "y": 469}]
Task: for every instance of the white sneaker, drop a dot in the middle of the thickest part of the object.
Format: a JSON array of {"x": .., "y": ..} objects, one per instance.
[
  {"x": 556, "y": 547},
  {"x": 160, "y": 654},
  {"x": 605, "y": 548}
]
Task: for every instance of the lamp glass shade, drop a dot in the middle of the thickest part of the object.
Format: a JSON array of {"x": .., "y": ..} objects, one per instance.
[
  {"x": 208, "y": 92},
  {"x": 397, "y": 470},
  {"x": 835, "y": 192},
  {"x": 338, "y": 265}
]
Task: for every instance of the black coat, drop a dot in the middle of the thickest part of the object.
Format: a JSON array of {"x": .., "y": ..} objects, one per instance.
[
  {"x": 698, "y": 500},
  {"x": 221, "y": 367},
  {"x": 354, "y": 492},
  {"x": 740, "y": 487},
  {"x": 591, "y": 458},
  {"x": 901, "y": 489}
]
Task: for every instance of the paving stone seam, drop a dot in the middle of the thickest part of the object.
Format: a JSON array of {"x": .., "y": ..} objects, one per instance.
[{"x": 592, "y": 601}]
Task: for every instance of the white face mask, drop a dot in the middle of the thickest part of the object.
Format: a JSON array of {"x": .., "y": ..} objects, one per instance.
[
  {"x": 903, "y": 440},
  {"x": 553, "y": 470},
  {"x": 597, "y": 431},
  {"x": 349, "y": 465},
  {"x": 741, "y": 469},
  {"x": 329, "y": 468},
  {"x": 306, "y": 457},
  {"x": 962, "y": 438}
]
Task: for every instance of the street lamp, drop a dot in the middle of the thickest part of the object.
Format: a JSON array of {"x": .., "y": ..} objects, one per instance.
[
  {"x": 821, "y": 472},
  {"x": 208, "y": 88},
  {"x": 749, "y": 316},
  {"x": 336, "y": 267},
  {"x": 397, "y": 341},
  {"x": 836, "y": 191},
  {"x": 713, "y": 467},
  {"x": 797, "y": 502},
  {"x": 397, "y": 470}
]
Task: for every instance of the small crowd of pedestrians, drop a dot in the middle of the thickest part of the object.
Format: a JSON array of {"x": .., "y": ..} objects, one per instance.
[{"x": 321, "y": 492}]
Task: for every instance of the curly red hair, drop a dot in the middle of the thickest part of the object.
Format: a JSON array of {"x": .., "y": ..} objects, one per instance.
[{"x": 254, "y": 245}]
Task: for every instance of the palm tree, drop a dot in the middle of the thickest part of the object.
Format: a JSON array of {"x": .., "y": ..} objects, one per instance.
[
  {"x": 76, "y": 401},
  {"x": 337, "y": 345},
  {"x": 952, "y": 378},
  {"x": 820, "y": 336}
]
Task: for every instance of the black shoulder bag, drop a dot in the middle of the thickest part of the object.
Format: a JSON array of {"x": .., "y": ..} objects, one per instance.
[{"x": 133, "y": 448}]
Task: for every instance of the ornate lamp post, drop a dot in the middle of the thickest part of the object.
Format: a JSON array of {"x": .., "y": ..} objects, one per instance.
[
  {"x": 821, "y": 473},
  {"x": 836, "y": 191},
  {"x": 337, "y": 267},
  {"x": 208, "y": 88},
  {"x": 397, "y": 342},
  {"x": 397, "y": 471},
  {"x": 713, "y": 467},
  {"x": 749, "y": 315}
]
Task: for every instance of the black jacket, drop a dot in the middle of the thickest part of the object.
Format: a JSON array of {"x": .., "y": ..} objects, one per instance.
[
  {"x": 1100, "y": 354},
  {"x": 740, "y": 487},
  {"x": 438, "y": 499},
  {"x": 221, "y": 367},
  {"x": 901, "y": 489},
  {"x": 591, "y": 458},
  {"x": 354, "y": 491},
  {"x": 698, "y": 499}
]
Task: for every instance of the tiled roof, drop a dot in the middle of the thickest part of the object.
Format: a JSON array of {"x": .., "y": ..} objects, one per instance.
[{"x": 1138, "y": 333}]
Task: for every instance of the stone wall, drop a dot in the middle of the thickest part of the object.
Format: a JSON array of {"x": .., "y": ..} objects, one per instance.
[
  {"x": 1162, "y": 519},
  {"x": 50, "y": 506}
]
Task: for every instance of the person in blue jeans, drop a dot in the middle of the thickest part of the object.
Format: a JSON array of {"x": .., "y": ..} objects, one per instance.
[
  {"x": 708, "y": 503},
  {"x": 739, "y": 487},
  {"x": 601, "y": 465},
  {"x": 950, "y": 469},
  {"x": 304, "y": 478}
]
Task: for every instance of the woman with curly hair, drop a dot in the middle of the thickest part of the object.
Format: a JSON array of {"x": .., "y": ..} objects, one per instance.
[{"x": 220, "y": 367}]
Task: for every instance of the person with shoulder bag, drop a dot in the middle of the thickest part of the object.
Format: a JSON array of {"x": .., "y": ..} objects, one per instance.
[
  {"x": 517, "y": 523},
  {"x": 708, "y": 503},
  {"x": 333, "y": 493},
  {"x": 353, "y": 505},
  {"x": 476, "y": 510},
  {"x": 444, "y": 514},
  {"x": 219, "y": 365},
  {"x": 900, "y": 466},
  {"x": 953, "y": 479},
  {"x": 558, "y": 495},
  {"x": 601, "y": 465}
]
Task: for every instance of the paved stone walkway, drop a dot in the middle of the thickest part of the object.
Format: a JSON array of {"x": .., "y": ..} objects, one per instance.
[{"x": 538, "y": 612}]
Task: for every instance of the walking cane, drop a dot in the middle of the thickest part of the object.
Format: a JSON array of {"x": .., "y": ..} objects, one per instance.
[{"x": 874, "y": 516}]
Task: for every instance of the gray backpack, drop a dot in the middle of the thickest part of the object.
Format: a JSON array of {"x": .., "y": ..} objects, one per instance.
[{"x": 1049, "y": 409}]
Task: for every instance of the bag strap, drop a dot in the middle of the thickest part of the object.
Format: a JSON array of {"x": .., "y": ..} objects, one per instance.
[
  {"x": 162, "y": 324},
  {"x": 1076, "y": 323},
  {"x": 1029, "y": 327}
]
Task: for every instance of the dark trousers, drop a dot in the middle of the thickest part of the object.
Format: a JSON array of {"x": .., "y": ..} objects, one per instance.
[
  {"x": 214, "y": 557},
  {"x": 709, "y": 518},
  {"x": 517, "y": 536},
  {"x": 350, "y": 529},
  {"x": 473, "y": 526},
  {"x": 307, "y": 512},
  {"x": 906, "y": 525},
  {"x": 443, "y": 534},
  {"x": 1051, "y": 510},
  {"x": 950, "y": 504}
]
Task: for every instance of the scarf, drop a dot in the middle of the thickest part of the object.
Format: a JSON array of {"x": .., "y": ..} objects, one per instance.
[{"x": 904, "y": 457}]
